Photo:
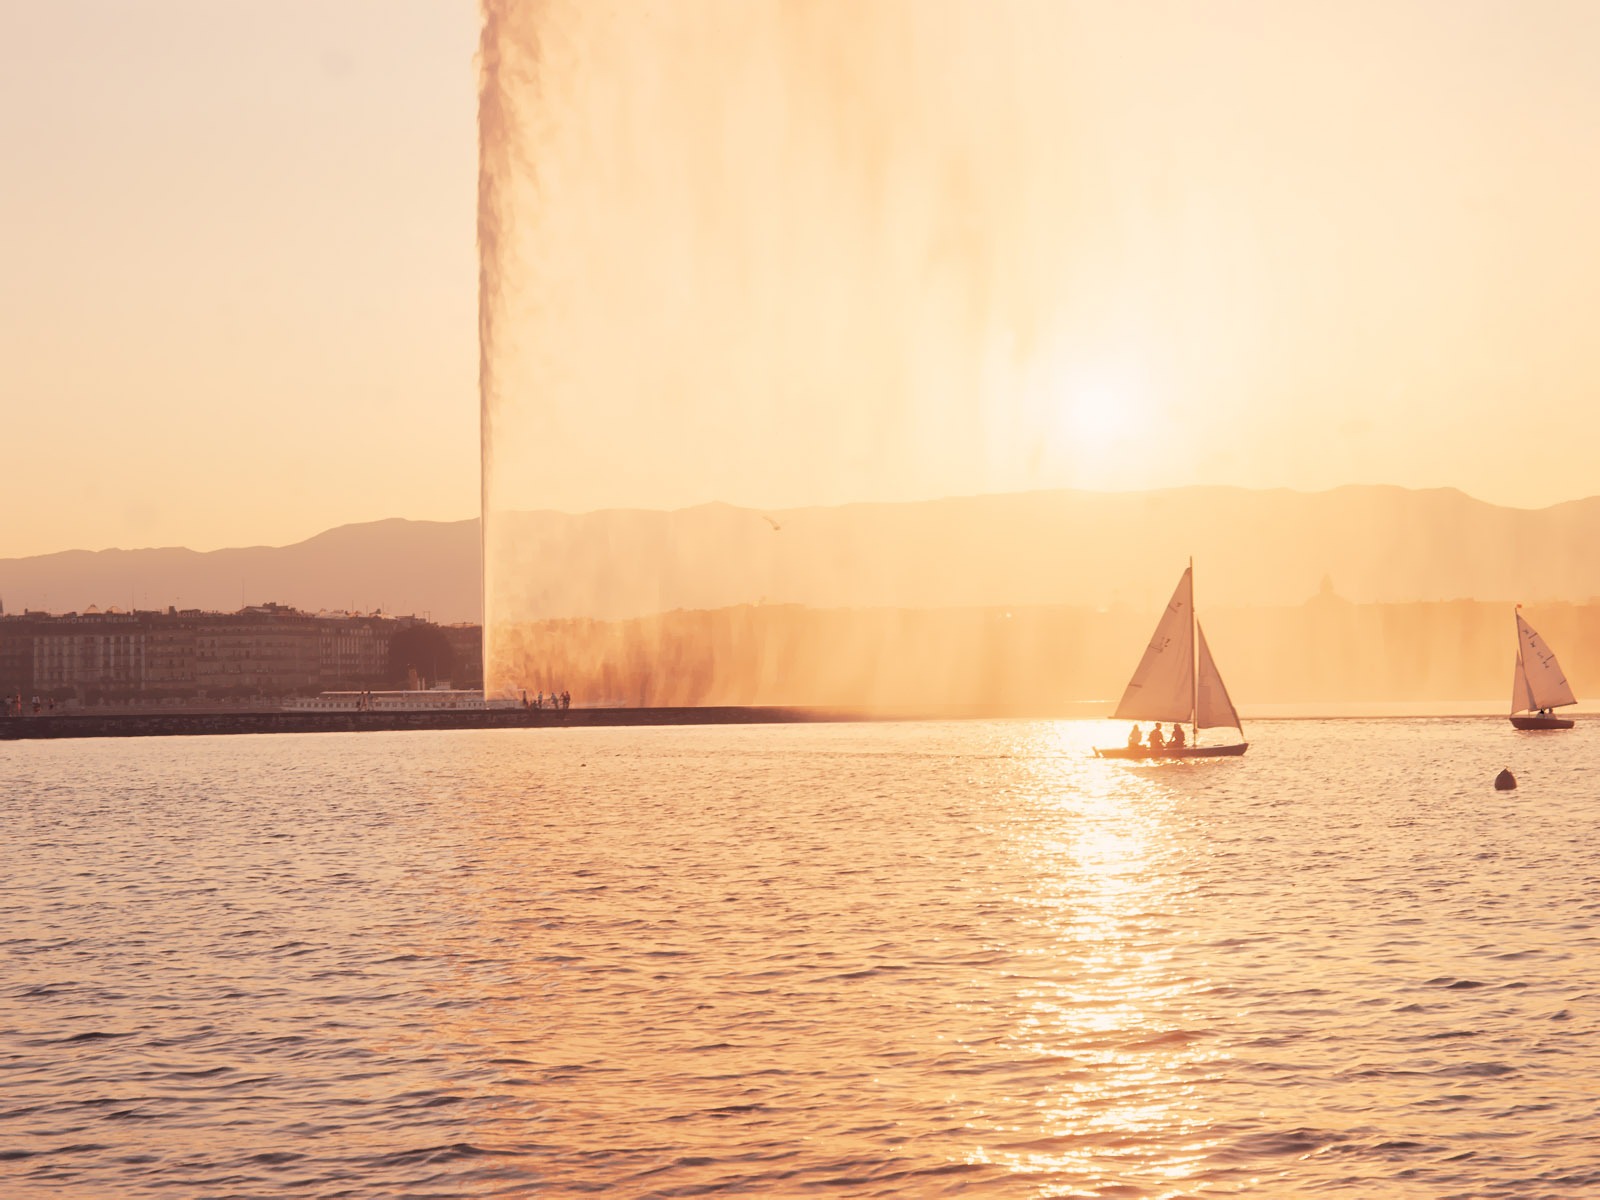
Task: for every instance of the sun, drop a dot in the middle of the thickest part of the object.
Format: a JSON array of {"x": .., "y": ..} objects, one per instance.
[
  {"x": 1088, "y": 424},
  {"x": 1094, "y": 420}
]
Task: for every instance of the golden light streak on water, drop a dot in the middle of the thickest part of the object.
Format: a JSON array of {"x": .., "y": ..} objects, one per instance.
[{"x": 1118, "y": 1008}]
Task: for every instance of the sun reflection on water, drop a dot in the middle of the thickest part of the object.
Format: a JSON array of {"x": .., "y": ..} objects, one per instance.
[{"x": 1102, "y": 998}]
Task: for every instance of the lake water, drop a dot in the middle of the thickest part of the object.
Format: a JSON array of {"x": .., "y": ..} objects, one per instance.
[{"x": 831, "y": 960}]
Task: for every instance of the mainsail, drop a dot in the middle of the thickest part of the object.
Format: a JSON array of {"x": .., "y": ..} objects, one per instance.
[
  {"x": 1213, "y": 708},
  {"x": 1162, "y": 687},
  {"x": 1539, "y": 681}
]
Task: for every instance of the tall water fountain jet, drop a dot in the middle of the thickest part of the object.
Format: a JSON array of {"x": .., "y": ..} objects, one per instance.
[{"x": 778, "y": 254}]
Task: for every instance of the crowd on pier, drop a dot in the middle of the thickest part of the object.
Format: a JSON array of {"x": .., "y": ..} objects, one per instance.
[
  {"x": 559, "y": 701},
  {"x": 15, "y": 706}
]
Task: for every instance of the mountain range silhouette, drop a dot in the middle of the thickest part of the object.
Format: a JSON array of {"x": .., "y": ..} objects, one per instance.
[{"x": 1093, "y": 549}]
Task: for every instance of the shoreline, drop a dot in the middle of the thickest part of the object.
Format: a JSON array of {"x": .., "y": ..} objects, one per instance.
[
  {"x": 86, "y": 725},
  {"x": 203, "y": 724}
]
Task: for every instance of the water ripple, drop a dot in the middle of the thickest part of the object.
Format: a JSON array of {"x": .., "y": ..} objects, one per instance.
[{"x": 900, "y": 960}]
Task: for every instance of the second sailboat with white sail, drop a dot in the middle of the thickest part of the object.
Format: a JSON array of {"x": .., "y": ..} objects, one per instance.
[{"x": 1539, "y": 686}]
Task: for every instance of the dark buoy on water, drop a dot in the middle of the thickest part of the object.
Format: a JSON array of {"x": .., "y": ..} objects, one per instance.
[{"x": 1505, "y": 781}]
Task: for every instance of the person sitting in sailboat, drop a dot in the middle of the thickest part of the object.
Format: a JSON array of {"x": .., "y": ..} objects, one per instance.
[
  {"x": 1158, "y": 740},
  {"x": 1176, "y": 742},
  {"x": 1135, "y": 736}
]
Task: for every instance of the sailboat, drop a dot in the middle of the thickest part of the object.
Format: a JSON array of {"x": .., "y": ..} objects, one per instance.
[
  {"x": 1177, "y": 680},
  {"x": 1539, "y": 684}
]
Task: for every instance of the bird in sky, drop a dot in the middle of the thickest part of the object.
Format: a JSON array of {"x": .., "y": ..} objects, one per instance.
[{"x": 770, "y": 521}]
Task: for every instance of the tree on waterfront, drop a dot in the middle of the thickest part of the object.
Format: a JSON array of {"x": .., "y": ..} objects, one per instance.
[{"x": 423, "y": 648}]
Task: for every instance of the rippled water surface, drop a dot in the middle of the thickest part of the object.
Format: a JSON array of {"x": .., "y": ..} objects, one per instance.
[{"x": 844, "y": 960}]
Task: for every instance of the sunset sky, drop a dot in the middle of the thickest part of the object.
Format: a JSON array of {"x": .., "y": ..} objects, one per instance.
[{"x": 1108, "y": 246}]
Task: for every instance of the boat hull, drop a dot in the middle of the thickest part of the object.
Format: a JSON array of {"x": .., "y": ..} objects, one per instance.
[
  {"x": 1542, "y": 722},
  {"x": 1144, "y": 752}
]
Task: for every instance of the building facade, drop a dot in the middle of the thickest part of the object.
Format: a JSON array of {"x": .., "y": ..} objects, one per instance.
[
  {"x": 99, "y": 654},
  {"x": 16, "y": 656},
  {"x": 266, "y": 651}
]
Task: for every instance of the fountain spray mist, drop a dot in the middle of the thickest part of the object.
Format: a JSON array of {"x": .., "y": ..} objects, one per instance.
[
  {"x": 507, "y": 56},
  {"x": 769, "y": 253}
]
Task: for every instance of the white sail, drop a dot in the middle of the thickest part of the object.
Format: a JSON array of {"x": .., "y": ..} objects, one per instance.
[
  {"x": 1214, "y": 709},
  {"x": 1162, "y": 687},
  {"x": 1521, "y": 696},
  {"x": 1540, "y": 682}
]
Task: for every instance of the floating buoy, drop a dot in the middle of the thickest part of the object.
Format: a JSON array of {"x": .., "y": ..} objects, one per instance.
[{"x": 1505, "y": 781}]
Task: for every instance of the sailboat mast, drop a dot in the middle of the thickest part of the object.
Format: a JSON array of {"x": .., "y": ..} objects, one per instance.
[
  {"x": 1522, "y": 674},
  {"x": 1194, "y": 655}
]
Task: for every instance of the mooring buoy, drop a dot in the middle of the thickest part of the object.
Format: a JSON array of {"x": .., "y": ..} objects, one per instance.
[{"x": 1505, "y": 781}]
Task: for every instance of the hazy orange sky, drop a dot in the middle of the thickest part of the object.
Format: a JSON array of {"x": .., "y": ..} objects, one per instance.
[
  {"x": 1261, "y": 244},
  {"x": 239, "y": 277}
]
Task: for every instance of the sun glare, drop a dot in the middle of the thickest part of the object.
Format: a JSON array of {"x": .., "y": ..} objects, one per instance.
[
  {"x": 1089, "y": 424},
  {"x": 1094, "y": 420}
]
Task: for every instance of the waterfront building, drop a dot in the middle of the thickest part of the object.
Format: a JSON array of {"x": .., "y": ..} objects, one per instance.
[
  {"x": 16, "y": 655},
  {"x": 98, "y": 654},
  {"x": 264, "y": 651}
]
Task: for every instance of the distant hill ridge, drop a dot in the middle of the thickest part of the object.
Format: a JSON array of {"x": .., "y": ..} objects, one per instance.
[{"x": 1094, "y": 549}]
